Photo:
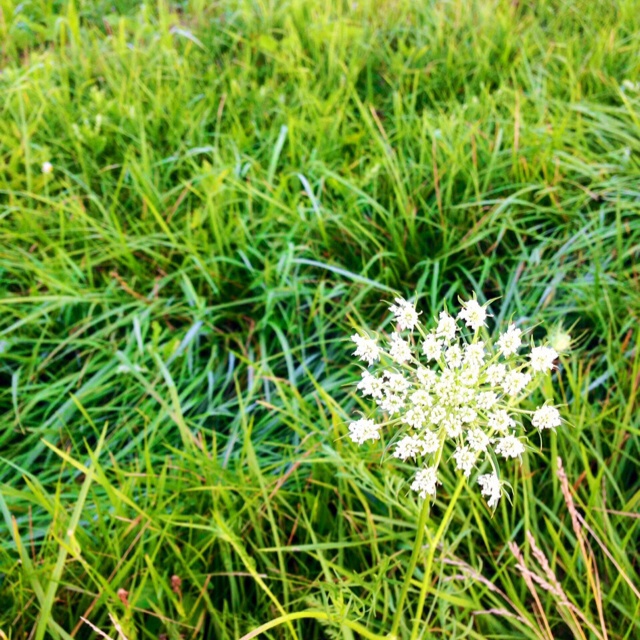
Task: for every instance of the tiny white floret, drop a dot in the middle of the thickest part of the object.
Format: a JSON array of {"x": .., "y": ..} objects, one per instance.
[
  {"x": 486, "y": 400},
  {"x": 405, "y": 314},
  {"x": 453, "y": 356},
  {"x": 392, "y": 404},
  {"x": 509, "y": 342},
  {"x": 491, "y": 488},
  {"x": 542, "y": 358},
  {"x": 362, "y": 430},
  {"x": 447, "y": 326},
  {"x": 426, "y": 377},
  {"x": 367, "y": 348},
  {"x": 496, "y": 373},
  {"x": 500, "y": 420},
  {"x": 399, "y": 350},
  {"x": 515, "y": 381},
  {"x": 546, "y": 417},
  {"x": 432, "y": 347},
  {"x": 473, "y": 314},
  {"x": 509, "y": 447},
  {"x": 478, "y": 440},
  {"x": 474, "y": 354},
  {"x": 425, "y": 482},
  {"x": 369, "y": 385},
  {"x": 465, "y": 460}
]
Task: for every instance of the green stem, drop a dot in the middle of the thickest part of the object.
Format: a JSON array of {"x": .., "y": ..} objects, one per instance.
[
  {"x": 313, "y": 615},
  {"x": 417, "y": 546},
  {"x": 433, "y": 545}
]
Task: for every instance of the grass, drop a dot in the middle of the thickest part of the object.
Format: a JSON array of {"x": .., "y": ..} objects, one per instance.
[{"x": 237, "y": 185}]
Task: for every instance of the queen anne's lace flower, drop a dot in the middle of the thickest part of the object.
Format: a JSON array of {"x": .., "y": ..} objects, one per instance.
[
  {"x": 426, "y": 377},
  {"x": 468, "y": 415},
  {"x": 415, "y": 417},
  {"x": 437, "y": 415},
  {"x": 430, "y": 442},
  {"x": 422, "y": 398},
  {"x": 560, "y": 339},
  {"x": 452, "y": 392},
  {"x": 413, "y": 446},
  {"x": 474, "y": 354},
  {"x": 392, "y": 404},
  {"x": 396, "y": 383},
  {"x": 408, "y": 447},
  {"x": 452, "y": 426},
  {"x": 405, "y": 314},
  {"x": 469, "y": 376},
  {"x": 486, "y": 400}
]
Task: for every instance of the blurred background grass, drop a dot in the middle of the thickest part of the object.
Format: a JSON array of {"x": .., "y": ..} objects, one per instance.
[{"x": 235, "y": 186}]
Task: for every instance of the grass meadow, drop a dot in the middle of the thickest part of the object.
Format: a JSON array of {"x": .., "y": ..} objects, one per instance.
[{"x": 236, "y": 186}]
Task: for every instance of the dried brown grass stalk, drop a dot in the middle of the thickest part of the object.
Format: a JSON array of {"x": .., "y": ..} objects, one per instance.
[{"x": 585, "y": 549}]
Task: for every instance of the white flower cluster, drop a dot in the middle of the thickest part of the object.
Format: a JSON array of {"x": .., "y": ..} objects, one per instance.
[{"x": 452, "y": 392}]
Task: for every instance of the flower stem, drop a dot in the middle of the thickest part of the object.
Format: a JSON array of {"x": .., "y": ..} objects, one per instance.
[
  {"x": 433, "y": 545},
  {"x": 417, "y": 546}
]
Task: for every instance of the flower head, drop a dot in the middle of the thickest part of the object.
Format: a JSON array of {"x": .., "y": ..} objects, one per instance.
[
  {"x": 546, "y": 417},
  {"x": 426, "y": 377},
  {"x": 491, "y": 488},
  {"x": 486, "y": 400},
  {"x": 413, "y": 446},
  {"x": 399, "y": 350},
  {"x": 425, "y": 482},
  {"x": 370, "y": 385},
  {"x": 495, "y": 373},
  {"x": 473, "y": 314},
  {"x": 474, "y": 354},
  {"x": 478, "y": 440},
  {"x": 447, "y": 326},
  {"x": 500, "y": 420},
  {"x": 47, "y": 168},
  {"x": 432, "y": 347},
  {"x": 515, "y": 381},
  {"x": 542, "y": 358},
  {"x": 509, "y": 447},
  {"x": 405, "y": 314},
  {"x": 509, "y": 342},
  {"x": 465, "y": 459},
  {"x": 452, "y": 397},
  {"x": 453, "y": 356},
  {"x": 362, "y": 430},
  {"x": 367, "y": 349}
]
